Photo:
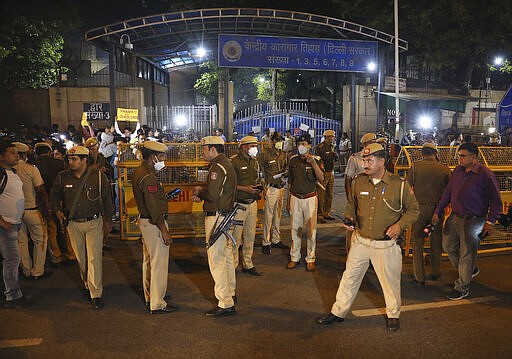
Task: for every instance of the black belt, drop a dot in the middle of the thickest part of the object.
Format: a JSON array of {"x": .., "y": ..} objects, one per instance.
[
  {"x": 214, "y": 213},
  {"x": 276, "y": 186},
  {"x": 245, "y": 201},
  {"x": 87, "y": 219},
  {"x": 304, "y": 196},
  {"x": 30, "y": 209}
]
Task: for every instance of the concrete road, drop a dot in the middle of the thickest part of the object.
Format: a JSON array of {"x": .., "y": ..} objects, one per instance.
[{"x": 275, "y": 313}]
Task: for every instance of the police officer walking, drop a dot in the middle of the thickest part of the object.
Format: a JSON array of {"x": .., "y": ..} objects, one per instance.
[
  {"x": 33, "y": 222},
  {"x": 381, "y": 205},
  {"x": 303, "y": 174},
  {"x": 248, "y": 189},
  {"x": 87, "y": 201},
  {"x": 428, "y": 178},
  {"x": 152, "y": 204},
  {"x": 274, "y": 167},
  {"x": 327, "y": 152},
  {"x": 218, "y": 196}
]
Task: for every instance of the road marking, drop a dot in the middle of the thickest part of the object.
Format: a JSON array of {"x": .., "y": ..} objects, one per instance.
[
  {"x": 423, "y": 306},
  {"x": 15, "y": 343}
]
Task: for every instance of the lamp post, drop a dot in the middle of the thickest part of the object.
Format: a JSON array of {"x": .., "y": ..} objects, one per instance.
[{"x": 397, "y": 74}]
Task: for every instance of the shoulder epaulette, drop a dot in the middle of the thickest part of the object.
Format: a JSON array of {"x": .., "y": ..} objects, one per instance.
[{"x": 295, "y": 155}]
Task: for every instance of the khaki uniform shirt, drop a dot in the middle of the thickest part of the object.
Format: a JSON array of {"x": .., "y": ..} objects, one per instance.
[
  {"x": 301, "y": 176},
  {"x": 273, "y": 163},
  {"x": 149, "y": 194},
  {"x": 219, "y": 194},
  {"x": 91, "y": 201},
  {"x": 367, "y": 204},
  {"x": 328, "y": 155},
  {"x": 428, "y": 179},
  {"x": 247, "y": 171},
  {"x": 31, "y": 178}
]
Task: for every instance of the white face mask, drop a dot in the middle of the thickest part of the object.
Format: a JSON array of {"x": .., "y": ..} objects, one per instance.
[
  {"x": 279, "y": 145},
  {"x": 159, "y": 165},
  {"x": 253, "y": 151},
  {"x": 302, "y": 150}
]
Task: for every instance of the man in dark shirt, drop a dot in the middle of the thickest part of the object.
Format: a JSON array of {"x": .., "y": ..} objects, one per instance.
[
  {"x": 87, "y": 197},
  {"x": 218, "y": 196},
  {"x": 475, "y": 199}
]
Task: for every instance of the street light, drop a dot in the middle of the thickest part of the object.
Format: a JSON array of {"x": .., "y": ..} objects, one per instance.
[
  {"x": 127, "y": 44},
  {"x": 201, "y": 52},
  {"x": 498, "y": 61}
]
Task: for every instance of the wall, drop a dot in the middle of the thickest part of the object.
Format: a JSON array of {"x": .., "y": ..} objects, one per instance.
[{"x": 24, "y": 106}]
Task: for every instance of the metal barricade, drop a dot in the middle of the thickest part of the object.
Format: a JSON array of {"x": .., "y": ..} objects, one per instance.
[
  {"x": 497, "y": 159},
  {"x": 185, "y": 168}
]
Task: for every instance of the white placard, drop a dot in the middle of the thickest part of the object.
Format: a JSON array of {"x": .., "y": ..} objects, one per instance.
[
  {"x": 304, "y": 127},
  {"x": 256, "y": 129}
]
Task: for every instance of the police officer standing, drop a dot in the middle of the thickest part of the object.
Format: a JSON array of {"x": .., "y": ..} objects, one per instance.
[
  {"x": 152, "y": 204},
  {"x": 303, "y": 174},
  {"x": 248, "y": 189},
  {"x": 381, "y": 205},
  {"x": 218, "y": 196},
  {"x": 274, "y": 167},
  {"x": 327, "y": 152},
  {"x": 33, "y": 222},
  {"x": 87, "y": 199},
  {"x": 428, "y": 178}
]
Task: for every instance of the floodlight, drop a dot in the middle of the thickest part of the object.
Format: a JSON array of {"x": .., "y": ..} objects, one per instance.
[
  {"x": 181, "y": 120},
  {"x": 372, "y": 66},
  {"x": 425, "y": 121}
]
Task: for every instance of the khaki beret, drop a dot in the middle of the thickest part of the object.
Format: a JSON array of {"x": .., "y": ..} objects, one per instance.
[
  {"x": 367, "y": 137},
  {"x": 248, "y": 140},
  {"x": 212, "y": 140},
  {"x": 21, "y": 147},
  {"x": 78, "y": 151},
  {"x": 329, "y": 133},
  {"x": 155, "y": 146},
  {"x": 382, "y": 140},
  {"x": 372, "y": 148},
  {"x": 91, "y": 142},
  {"x": 430, "y": 145},
  {"x": 42, "y": 144}
]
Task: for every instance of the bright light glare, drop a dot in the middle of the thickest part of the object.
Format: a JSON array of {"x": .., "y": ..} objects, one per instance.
[
  {"x": 425, "y": 121},
  {"x": 372, "y": 66},
  {"x": 201, "y": 52},
  {"x": 498, "y": 61},
  {"x": 262, "y": 79},
  {"x": 181, "y": 120},
  {"x": 492, "y": 129}
]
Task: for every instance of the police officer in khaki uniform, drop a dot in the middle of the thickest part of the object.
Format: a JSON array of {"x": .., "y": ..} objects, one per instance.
[
  {"x": 381, "y": 205},
  {"x": 152, "y": 204},
  {"x": 327, "y": 152},
  {"x": 33, "y": 222},
  {"x": 87, "y": 198},
  {"x": 273, "y": 162},
  {"x": 428, "y": 178},
  {"x": 248, "y": 190},
  {"x": 218, "y": 196},
  {"x": 303, "y": 174}
]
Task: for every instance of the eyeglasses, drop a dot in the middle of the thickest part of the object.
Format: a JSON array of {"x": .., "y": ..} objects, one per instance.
[{"x": 369, "y": 161}]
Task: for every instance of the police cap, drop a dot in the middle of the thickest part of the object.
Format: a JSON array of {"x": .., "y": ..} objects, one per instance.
[
  {"x": 430, "y": 145},
  {"x": 368, "y": 137},
  {"x": 372, "y": 148},
  {"x": 21, "y": 147},
  {"x": 248, "y": 140},
  {"x": 212, "y": 140},
  {"x": 155, "y": 146},
  {"x": 77, "y": 151}
]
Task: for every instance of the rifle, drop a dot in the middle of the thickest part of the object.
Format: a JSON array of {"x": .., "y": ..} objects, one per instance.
[{"x": 224, "y": 226}]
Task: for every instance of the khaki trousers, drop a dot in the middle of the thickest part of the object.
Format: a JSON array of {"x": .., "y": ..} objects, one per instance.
[
  {"x": 220, "y": 261},
  {"x": 155, "y": 264},
  {"x": 87, "y": 243},
  {"x": 303, "y": 214},
  {"x": 56, "y": 253},
  {"x": 272, "y": 215},
  {"x": 248, "y": 230},
  {"x": 386, "y": 257},
  {"x": 33, "y": 224},
  {"x": 325, "y": 197}
]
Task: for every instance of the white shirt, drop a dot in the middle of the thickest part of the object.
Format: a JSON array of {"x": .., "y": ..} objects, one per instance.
[
  {"x": 12, "y": 201},
  {"x": 31, "y": 178},
  {"x": 355, "y": 165}
]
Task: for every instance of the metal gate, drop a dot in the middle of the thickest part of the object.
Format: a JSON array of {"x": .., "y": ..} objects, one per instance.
[{"x": 281, "y": 117}]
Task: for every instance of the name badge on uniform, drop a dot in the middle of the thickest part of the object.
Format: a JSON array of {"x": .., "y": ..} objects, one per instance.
[
  {"x": 153, "y": 189},
  {"x": 243, "y": 168},
  {"x": 364, "y": 193},
  {"x": 273, "y": 161},
  {"x": 69, "y": 186}
]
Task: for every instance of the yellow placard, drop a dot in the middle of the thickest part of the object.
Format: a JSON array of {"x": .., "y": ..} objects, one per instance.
[
  {"x": 84, "y": 121},
  {"x": 128, "y": 114}
]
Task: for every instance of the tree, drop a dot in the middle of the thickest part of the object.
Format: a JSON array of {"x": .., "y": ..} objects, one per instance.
[{"x": 30, "y": 54}]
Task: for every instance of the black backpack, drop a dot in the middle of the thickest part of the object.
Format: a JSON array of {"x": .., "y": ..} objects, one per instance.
[{"x": 3, "y": 179}]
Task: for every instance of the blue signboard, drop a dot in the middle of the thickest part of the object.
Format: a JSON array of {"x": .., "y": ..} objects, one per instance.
[
  {"x": 296, "y": 53},
  {"x": 505, "y": 111}
]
